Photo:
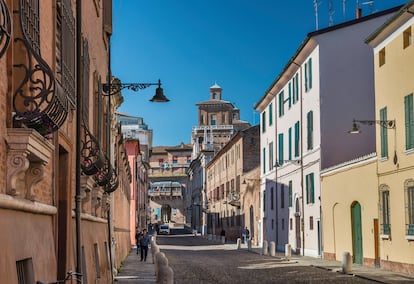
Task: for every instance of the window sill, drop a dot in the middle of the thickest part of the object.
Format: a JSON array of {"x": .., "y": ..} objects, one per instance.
[
  {"x": 385, "y": 237},
  {"x": 409, "y": 237}
]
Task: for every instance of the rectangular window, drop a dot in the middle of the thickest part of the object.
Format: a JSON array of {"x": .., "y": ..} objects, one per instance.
[
  {"x": 385, "y": 212},
  {"x": 310, "y": 130},
  {"x": 264, "y": 200},
  {"x": 297, "y": 137},
  {"x": 281, "y": 104},
  {"x": 25, "y": 273},
  {"x": 384, "y": 134},
  {"x": 381, "y": 57},
  {"x": 281, "y": 150},
  {"x": 263, "y": 122},
  {"x": 175, "y": 160},
  {"x": 290, "y": 143},
  {"x": 272, "y": 198},
  {"x": 213, "y": 119},
  {"x": 409, "y": 122},
  {"x": 270, "y": 114},
  {"x": 407, "y": 39},
  {"x": 290, "y": 193},
  {"x": 282, "y": 196},
  {"x": 264, "y": 160},
  {"x": 310, "y": 222},
  {"x": 98, "y": 270},
  {"x": 271, "y": 160},
  {"x": 291, "y": 224},
  {"x": 310, "y": 189}
]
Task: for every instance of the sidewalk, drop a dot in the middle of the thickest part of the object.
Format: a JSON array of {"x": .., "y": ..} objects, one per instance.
[
  {"x": 136, "y": 271},
  {"x": 376, "y": 274}
]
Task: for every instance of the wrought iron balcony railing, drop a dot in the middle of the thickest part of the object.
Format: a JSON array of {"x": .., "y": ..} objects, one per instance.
[
  {"x": 92, "y": 158},
  {"x": 107, "y": 177},
  {"x": 5, "y": 27},
  {"x": 37, "y": 101}
]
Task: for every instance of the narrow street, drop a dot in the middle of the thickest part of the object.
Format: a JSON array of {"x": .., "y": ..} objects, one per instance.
[{"x": 197, "y": 260}]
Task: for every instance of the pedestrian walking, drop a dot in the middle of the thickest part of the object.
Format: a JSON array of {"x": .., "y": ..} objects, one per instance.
[
  {"x": 144, "y": 243},
  {"x": 246, "y": 234},
  {"x": 137, "y": 238}
]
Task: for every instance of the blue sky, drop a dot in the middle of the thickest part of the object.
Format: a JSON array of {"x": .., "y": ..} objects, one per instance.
[{"x": 191, "y": 44}]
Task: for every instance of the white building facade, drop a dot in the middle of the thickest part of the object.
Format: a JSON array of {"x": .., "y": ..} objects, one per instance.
[{"x": 305, "y": 117}]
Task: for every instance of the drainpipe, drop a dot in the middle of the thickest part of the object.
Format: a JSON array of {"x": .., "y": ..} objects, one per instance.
[{"x": 78, "y": 135}]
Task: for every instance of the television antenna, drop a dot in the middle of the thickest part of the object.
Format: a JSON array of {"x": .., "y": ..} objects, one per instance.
[
  {"x": 331, "y": 12},
  {"x": 366, "y": 3},
  {"x": 316, "y": 5}
]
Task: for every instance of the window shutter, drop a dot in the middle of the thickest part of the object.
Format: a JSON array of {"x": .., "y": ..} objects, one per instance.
[
  {"x": 310, "y": 72},
  {"x": 306, "y": 77},
  {"x": 281, "y": 150},
  {"x": 384, "y": 134},
  {"x": 290, "y": 142}
]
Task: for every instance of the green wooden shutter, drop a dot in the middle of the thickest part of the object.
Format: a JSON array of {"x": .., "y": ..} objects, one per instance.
[
  {"x": 297, "y": 135},
  {"x": 270, "y": 114},
  {"x": 290, "y": 142},
  {"x": 281, "y": 104},
  {"x": 310, "y": 72},
  {"x": 306, "y": 77},
  {"x": 263, "y": 122},
  {"x": 310, "y": 130},
  {"x": 281, "y": 150},
  {"x": 297, "y": 86},
  {"x": 312, "y": 183},
  {"x": 409, "y": 123},
  {"x": 264, "y": 160},
  {"x": 290, "y": 194},
  {"x": 384, "y": 134},
  {"x": 290, "y": 94}
]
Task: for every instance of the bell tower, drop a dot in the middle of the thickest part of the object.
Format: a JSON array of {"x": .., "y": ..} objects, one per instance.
[{"x": 215, "y": 92}]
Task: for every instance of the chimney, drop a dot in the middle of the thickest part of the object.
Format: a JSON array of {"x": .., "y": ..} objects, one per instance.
[{"x": 358, "y": 13}]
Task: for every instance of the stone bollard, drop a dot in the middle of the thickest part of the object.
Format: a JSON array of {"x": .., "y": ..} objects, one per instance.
[
  {"x": 249, "y": 245},
  {"x": 265, "y": 248},
  {"x": 154, "y": 250},
  {"x": 238, "y": 243},
  {"x": 166, "y": 275},
  {"x": 160, "y": 260},
  {"x": 272, "y": 248},
  {"x": 288, "y": 252},
  {"x": 223, "y": 240},
  {"x": 346, "y": 262}
]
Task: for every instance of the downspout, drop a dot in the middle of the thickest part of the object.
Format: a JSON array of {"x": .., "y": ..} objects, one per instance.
[{"x": 78, "y": 135}]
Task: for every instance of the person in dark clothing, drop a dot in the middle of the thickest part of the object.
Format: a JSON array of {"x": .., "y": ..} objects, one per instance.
[
  {"x": 137, "y": 236},
  {"x": 144, "y": 243}
]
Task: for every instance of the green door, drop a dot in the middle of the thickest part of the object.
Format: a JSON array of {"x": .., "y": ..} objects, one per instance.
[{"x": 356, "y": 233}]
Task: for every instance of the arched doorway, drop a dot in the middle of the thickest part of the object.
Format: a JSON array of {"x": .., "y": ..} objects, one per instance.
[
  {"x": 165, "y": 213},
  {"x": 356, "y": 233}
]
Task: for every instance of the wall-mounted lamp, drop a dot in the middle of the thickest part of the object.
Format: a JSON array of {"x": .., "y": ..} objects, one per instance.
[
  {"x": 280, "y": 163},
  {"x": 115, "y": 87},
  {"x": 388, "y": 124}
]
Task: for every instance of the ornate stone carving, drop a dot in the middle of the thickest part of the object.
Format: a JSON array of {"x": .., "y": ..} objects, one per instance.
[{"x": 27, "y": 154}]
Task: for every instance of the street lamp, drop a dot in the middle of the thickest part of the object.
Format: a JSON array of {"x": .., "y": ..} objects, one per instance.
[
  {"x": 387, "y": 124},
  {"x": 116, "y": 86}
]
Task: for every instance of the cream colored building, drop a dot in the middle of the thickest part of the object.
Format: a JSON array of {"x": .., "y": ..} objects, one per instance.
[
  {"x": 232, "y": 203},
  {"x": 349, "y": 210},
  {"x": 393, "y": 49}
]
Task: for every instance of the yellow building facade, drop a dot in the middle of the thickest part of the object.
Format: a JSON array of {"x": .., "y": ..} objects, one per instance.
[{"x": 393, "y": 49}]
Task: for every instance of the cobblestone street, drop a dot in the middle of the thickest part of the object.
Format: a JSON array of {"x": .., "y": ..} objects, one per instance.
[{"x": 196, "y": 260}]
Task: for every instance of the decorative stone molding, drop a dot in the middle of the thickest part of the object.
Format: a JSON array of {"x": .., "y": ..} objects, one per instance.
[
  {"x": 97, "y": 194},
  {"x": 106, "y": 200},
  {"x": 87, "y": 185},
  {"x": 27, "y": 154}
]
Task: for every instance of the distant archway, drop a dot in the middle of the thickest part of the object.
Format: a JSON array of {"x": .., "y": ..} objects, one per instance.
[{"x": 165, "y": 213}]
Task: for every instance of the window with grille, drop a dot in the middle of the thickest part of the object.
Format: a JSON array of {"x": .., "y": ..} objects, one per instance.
[
  {"x": 409, "y": 207},
  {"x": 85, "y": 80},
  {"x": 25, "y": 273},
  {"x": 98, "y": 270},
  {"x": 385, "y": 211}
]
